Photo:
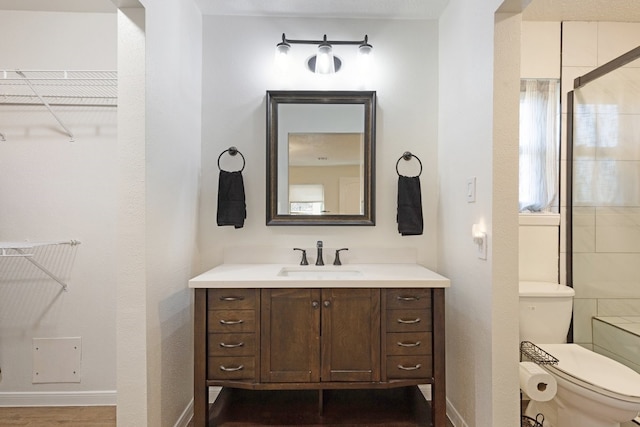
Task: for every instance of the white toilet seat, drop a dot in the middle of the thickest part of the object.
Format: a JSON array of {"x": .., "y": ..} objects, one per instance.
[{"x": 594, "y": 372}]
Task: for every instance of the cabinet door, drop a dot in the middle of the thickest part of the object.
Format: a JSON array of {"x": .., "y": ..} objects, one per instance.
[
  {"x": 290, "y": 336},
  {"x": 350, "y": 335}
]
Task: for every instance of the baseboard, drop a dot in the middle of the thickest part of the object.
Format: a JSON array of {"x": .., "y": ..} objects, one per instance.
[
  {"x": 186, "y": 416},
  {"x": 454, "y": 416},
  {"x": 57, "y": 398}
]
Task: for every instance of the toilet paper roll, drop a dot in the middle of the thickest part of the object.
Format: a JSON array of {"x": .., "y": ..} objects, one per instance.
[{"x": 537, "y": 383}]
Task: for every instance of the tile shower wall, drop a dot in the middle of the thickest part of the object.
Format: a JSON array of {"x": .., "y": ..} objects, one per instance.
[{"x": 606, "y": 242}]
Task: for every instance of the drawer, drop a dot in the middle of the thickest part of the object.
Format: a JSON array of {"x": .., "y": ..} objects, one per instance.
[
  {"x": 403, "y": 367},
  {"x": 232, "y": 368},
  {"x": 408, "y": 298},
  {"x": 228, "y": 321},
  {"x": 225, "y": 299},
  {"x": 408, "y": 320},
  {"x": 232, "y": 344},
  {"x": 408, "y": 343}
]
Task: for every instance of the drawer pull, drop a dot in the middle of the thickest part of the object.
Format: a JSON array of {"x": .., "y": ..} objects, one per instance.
[
  {"x": 409, "y": 321},
  {"x": 234, "y": 369},
  {"x": 223, "y": 298},
  {"x": 223, "y": 345},
  {"x": 231, "y": 322},
  {"x": 407, "y": 298},
  {"x": 409, "y": 344},
  {"x": 409, "y": 368}
]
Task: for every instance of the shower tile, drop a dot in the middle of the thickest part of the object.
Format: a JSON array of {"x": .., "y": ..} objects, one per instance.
[
  {"x": 613, "y": 320},
  {"x": 617, "y": 341},
  {"x": 606, "y": 183},
  {"x": 584, "y": 233},
  {"x": 625, "y": 132},
  {"x": 634, "y": 328},
  {"x": 583, "y": 312},
  {"x": 618, "y": 230},
  {"x": 632, "y": 319},
  {"x": 606, "y": 275},
  {"x": 614, "y": 39},
  {"x": 619, "y": 307},
  {"x": 563, "y": 136},
  {"x": 569, "y": 74},
  {"x": 579, "y": 44},
  {"x": 563, "y": 268}
]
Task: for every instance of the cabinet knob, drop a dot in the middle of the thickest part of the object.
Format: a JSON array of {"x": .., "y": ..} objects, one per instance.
[
  {"x": 327, "y": 303},
  {"x": 315, "y": 304}
]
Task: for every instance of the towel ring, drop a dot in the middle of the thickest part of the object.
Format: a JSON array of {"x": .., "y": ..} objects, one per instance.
[
  {"x": 232, "y": 151},
  {"x": 407, "y": 155}
]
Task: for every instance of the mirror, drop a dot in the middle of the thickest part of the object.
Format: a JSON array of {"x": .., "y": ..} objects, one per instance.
[{"x": 320, "y": 157}]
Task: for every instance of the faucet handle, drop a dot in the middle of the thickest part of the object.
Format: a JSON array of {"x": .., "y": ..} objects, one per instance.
[
  {"x": 337, "y": 260},
  {"x": 303, "y": 261}
]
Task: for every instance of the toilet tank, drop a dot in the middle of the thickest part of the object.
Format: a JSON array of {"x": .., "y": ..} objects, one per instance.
[{"x": 545, "y": 312}]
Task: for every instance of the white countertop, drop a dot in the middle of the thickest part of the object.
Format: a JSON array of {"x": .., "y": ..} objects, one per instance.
[{"x": 368, "y": 276}]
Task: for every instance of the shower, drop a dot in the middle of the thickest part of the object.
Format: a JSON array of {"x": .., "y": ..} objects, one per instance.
[{"x": 603, "y": 209}]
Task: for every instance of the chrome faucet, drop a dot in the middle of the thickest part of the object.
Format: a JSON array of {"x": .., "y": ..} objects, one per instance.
[{"x": 319, "y": 260}]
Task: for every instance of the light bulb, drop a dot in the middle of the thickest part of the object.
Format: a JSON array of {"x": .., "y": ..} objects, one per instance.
[
  {"x": 324, "y": 59},
  {"x": 282, "y": 56}
]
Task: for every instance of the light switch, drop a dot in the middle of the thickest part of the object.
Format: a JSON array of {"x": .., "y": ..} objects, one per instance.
[{"x": 471, "y": 189}]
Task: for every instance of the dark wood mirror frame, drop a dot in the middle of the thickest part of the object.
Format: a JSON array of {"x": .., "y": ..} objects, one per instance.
[{"x": 365, "y": 98}]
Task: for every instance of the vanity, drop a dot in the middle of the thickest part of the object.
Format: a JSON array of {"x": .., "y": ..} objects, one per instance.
[{"x": 271, "y": 327}]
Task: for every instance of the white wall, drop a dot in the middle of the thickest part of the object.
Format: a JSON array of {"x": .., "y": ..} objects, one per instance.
[
  {"x": 236, "y": 76},
  {"x": 174, "y": 95},
  {"x": 53, "y": 189},
  {"x": 158, "y": 215},
  {"x": 478, "y": 137}
]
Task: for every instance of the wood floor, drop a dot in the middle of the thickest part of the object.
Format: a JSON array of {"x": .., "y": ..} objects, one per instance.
[
  {"x": 397, "y": 409},
  {"x": 67, "y": 416}
]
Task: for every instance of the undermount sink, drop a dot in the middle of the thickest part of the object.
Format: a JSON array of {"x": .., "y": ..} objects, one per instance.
[{"x": 318, "y": 273}]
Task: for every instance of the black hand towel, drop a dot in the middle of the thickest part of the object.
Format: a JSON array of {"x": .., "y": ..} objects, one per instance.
[
  {"x": 232, "y": 209},
  {"x": 409, "y": 206}
]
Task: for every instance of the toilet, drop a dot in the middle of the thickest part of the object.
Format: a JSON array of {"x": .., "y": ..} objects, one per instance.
[{"x": 593, "y": 390}]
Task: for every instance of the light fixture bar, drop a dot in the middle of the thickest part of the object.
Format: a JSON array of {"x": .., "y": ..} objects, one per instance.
[{"x": 324, "y": 40}]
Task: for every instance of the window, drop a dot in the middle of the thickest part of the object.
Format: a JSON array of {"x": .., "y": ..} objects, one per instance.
[
  {"x": 306, "y": 199},
  {"x": 539, "y": 145}
]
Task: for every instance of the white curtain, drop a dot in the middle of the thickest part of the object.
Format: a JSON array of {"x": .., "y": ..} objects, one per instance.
[{"x": 539, "y": 136}]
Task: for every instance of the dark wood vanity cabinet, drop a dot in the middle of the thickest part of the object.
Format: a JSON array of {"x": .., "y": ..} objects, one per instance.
[
  {"x": 301, "y": 338},
  {"x": 320, "y": 335}
]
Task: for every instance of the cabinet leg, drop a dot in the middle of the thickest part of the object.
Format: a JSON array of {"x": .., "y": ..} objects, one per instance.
[
  {"x": 200, "y": 388},
  {"x": 321, "y": 402}
]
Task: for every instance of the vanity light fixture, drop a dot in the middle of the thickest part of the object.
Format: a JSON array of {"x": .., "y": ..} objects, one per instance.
[{"x": 323, "y": 62}]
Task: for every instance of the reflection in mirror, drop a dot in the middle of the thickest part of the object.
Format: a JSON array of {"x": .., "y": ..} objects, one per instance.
[{"x": 320, "y": 158}]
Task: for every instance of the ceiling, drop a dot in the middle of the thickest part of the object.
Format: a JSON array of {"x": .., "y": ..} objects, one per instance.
[
  {"x": 98, "y": 6},
  {"x": 538, "y": 10},
  {"x": 400, "y": 9},
  {"x": 583, "y": 10}
]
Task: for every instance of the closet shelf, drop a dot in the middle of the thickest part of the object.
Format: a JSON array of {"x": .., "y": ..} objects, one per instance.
[
  {"x": 53, "y": 89},
  {"x": 24, "y": 250},
  {"x": 59, "y": 88}
]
